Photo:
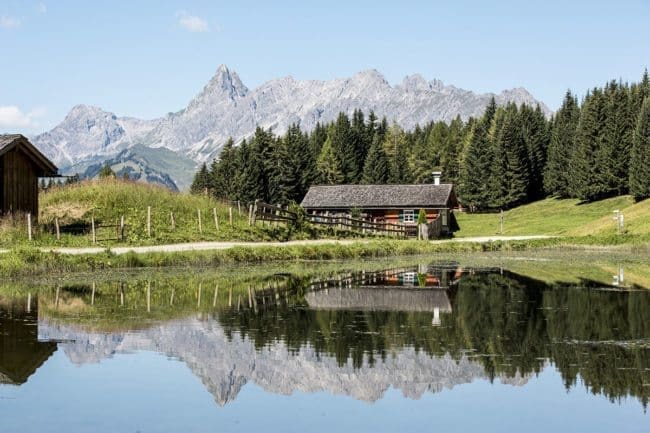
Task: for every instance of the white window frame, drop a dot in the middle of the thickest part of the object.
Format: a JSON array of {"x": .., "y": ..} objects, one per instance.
[{"x": 408, "y": 215}]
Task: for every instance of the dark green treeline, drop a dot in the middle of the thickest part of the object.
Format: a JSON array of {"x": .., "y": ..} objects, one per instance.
[{"x": 509, "y": 156}]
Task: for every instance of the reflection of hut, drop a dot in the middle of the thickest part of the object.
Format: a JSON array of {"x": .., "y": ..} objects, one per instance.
[
  {"x": 379, "y": 299},
  {"x": 374, "y": 299},
  {"x": 21, "y": 354}
]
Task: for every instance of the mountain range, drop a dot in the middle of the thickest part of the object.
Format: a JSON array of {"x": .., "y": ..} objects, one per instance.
[{"x": 163, "y": 149}]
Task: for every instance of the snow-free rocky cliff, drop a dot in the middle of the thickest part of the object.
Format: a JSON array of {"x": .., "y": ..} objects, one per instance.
[{"x": 227, "y": 108}]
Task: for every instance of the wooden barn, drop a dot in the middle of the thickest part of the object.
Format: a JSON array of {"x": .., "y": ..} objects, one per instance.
[
  {"x": 21, "y": 164},
  {"x": 387, "y": 203}
]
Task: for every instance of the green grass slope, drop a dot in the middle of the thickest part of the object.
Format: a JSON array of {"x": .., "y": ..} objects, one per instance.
[
  {"x": 561, "y": 217},
  {"x": 109, "y": 199}
]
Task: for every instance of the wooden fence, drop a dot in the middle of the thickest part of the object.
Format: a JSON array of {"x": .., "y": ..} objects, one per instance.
[{"x": 267, "y": 212}]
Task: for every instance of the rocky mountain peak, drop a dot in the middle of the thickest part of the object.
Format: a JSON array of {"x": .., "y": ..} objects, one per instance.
[
  {"x": 225, "y": 81},
  {"x": 415, "y": 83}
]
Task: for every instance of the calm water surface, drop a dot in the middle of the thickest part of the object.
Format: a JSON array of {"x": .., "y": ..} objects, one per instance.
[{"x": 433, "y": 346}]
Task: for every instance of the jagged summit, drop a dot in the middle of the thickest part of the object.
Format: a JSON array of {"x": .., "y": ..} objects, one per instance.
[{"x": 226, "y": 108}]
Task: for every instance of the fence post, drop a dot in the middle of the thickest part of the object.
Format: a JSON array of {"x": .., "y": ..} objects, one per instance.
[
  {"x": 122, "y": 228},
  {"x": 230, "y": 213},
  {"x": 173, "y": 220},
  {"x": 92, "y": 224},
  {"x": 200, "y": 228},
  {"x": 250, "y": 214},
  {"x": 239, "y": 207},
  {"x": 254, "y": 212},
  {"x": 58, "y": 230},
  {"x": 216, "y": 218},
  {"x": 149, "y": 221},
  {"x": 29, "y": 226}
]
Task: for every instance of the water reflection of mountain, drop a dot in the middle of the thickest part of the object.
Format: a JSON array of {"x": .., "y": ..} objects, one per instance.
[
  {"x": 358, "y": 339},
  {"x": 226, "y": 363}
]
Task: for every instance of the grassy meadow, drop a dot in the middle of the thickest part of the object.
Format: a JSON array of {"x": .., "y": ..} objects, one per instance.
[{"x": 566, "y": 217}]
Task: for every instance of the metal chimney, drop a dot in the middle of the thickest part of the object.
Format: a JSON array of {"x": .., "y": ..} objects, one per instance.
[{"x": 436, "y": 177}]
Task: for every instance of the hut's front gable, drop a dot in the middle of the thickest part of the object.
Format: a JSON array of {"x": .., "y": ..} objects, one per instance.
[{"x": 21, "y": 164}]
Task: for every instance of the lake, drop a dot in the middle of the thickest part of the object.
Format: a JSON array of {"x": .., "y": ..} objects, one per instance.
[{"x": 490, "y": 344}]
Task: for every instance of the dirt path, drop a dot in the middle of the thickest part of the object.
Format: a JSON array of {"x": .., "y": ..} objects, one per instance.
[{"x": 206, "y": 246}]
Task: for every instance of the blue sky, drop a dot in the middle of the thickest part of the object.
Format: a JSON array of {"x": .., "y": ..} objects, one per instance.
[{"x": 147, "y": 58}]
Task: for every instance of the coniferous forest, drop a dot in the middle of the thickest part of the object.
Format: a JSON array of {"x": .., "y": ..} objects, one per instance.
[{"x": 591, "y": 149}]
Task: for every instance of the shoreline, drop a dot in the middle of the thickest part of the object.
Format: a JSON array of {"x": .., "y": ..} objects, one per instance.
[{"x": 34, "y": 261}]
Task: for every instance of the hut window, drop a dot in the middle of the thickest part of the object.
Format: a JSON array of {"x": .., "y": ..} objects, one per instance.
[
  {"x": 444, "y": 218},
  {"x": 408, "y": 216}
]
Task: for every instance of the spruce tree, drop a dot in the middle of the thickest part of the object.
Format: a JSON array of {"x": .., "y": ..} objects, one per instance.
[
  {"x": 224, "y": 173},
  {"x": 640, "y": 160},
  {"x": 376, "y": 169},
  {"x": 587, "y": 180},
  {"x": 317, "y": 138},
  {"x": 517, "y": 159},
  {"x": 328, "y": 166},
  {"x": 341, "y": 138},
  {"x": 450, "y": 153},
  {"x": 618, "y": 130},
  {"x": 476, "y": 162},
  {"x": 201, "y": 180},
  {"x": 561, "y": 148},
  {"x": 536, "y": 135},
  {"x": 303, "y": 161}
]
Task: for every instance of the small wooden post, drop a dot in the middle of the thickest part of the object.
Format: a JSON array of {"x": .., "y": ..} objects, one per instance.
[
  {"x": 198, "y": 302},
  {"x": 173, "y": 220},
  {"x": 92, "y": 294},
  {"x": 239, "y": 207},
  {"x": 250, "y": 214},
  {"x": 200, "y": 227},
  {"x": 230, "y": 297},
  {"x": 92, "y": 226},
  {"x": 171, "y": 298},
  {"x": 230, "y": 214},
  {"x": 148, "y": 296},
  {"x": 29, "y": 302},
  {"x": 216, "y": 218},
  {"x": 56, "y": 299},
  {"x": 501, "y": 222},
  {"x": 216, "y": 292},
  {"x": 29, "y": 226},
  {"x": 254, "y": 212},
  {"x": 58, "y": 230},
  {"x": 149, "y": 221},
  {"x": 122, "y": 228}
]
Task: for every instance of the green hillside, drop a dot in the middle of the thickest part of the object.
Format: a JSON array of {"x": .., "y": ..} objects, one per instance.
[
  {"x": 108, "y": 199},
  {"x": 560, "y": 217}
]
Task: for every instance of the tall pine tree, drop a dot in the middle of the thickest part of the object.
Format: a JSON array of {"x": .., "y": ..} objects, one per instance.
[
  {"x": 640, "y": 160},
  {"x": 561, "y": 148}
]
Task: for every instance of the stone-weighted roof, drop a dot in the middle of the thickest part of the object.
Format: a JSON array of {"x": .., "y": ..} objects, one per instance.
[{"x": 378, "y": 196}]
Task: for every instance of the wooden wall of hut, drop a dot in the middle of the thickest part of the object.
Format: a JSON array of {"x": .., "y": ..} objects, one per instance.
[{"x": 19, "y": 189}]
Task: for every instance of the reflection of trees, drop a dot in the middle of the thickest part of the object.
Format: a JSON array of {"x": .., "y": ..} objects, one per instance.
[
  {"x": 512, "y": 324},
  {"x": 605, "y": 337}
]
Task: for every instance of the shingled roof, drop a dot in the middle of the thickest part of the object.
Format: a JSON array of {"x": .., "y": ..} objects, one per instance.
[
  {"x": 9, "y": 141},
  {"x": 378, "y": 196}
]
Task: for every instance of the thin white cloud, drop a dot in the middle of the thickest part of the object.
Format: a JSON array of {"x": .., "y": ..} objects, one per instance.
[
  {"x": 192, "y": 23},
  {"x": 41, "y": 8},
  {"x": 13, "y": 117},
  {"x": 9, "y": 22}
]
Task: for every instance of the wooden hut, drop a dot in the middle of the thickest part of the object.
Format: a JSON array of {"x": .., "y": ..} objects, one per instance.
[
  {"x": 398, "y": 204},
  {"x": 21, "y": 164}
]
